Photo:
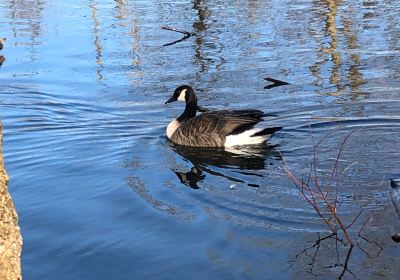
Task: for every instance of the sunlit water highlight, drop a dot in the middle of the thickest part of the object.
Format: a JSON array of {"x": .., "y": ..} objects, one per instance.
[{"x": 102, "y": 194}]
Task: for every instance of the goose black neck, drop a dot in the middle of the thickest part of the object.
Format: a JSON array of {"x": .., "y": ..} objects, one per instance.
[{"x": 190, "y": 109}]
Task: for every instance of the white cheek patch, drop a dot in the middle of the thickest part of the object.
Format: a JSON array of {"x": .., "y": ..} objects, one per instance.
[{"x": 182, "y": 95}]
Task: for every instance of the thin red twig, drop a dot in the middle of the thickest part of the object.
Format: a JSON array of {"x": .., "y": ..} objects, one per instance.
[{"x": 314, "y": 193}]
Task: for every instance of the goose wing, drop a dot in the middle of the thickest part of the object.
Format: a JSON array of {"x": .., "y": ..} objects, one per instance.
[{"x": 211, "y": 128}]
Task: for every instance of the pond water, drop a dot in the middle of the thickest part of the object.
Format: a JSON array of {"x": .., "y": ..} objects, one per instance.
[{"x": 102, "y": 194}]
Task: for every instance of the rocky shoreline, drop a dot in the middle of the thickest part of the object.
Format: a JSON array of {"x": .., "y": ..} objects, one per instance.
[{"x": 10, "y": 236}]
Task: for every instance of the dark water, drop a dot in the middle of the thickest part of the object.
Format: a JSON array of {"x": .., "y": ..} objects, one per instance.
[{"x": 100, "y": 192}]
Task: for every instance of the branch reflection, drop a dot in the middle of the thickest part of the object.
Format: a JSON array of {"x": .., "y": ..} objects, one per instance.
[
  {"x": 331, "y": 254},
  {"x": 319, "y": 256}
]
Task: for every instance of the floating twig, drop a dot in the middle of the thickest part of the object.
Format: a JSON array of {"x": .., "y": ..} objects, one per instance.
[
  {"x": 186, "y": 33},
  {"x": 275, "y": 83},
  {"x": 171, "y": 28}
]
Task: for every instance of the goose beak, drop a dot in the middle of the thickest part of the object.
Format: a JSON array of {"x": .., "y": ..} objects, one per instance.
[{"x": 172, "y": 99}]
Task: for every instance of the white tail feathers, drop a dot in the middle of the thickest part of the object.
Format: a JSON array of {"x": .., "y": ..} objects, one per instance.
[{"x": 245, "y": 138}]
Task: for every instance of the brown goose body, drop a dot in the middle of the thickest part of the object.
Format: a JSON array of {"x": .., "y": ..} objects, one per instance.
[{"x": 222, "y": 128}]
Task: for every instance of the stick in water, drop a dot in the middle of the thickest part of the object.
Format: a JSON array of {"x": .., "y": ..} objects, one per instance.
[
  {"x": 171, "y": 28},
  {"x": 275, "y": 83}
]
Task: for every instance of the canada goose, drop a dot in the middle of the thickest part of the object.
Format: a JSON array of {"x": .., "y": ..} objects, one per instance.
[{"x": 222, "y": 128}]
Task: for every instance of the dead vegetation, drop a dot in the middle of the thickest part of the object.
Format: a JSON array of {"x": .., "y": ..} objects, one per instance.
[{"x": 322, "y": 194}]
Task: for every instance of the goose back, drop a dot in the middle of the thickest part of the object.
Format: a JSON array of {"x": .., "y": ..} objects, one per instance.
[{"x": 210, "y": 129}]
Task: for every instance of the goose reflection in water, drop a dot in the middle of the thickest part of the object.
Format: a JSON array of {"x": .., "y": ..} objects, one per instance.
[{"x": 245, "y": 159}]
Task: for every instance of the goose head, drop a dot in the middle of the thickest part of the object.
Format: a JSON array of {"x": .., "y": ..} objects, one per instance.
[{"x": 183, "y": 93}]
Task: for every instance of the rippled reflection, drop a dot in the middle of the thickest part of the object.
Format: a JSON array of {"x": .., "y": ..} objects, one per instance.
[
  {"x": 27, "y": 16},
  {"x": 97, "y": 40},
  {"x": 81, "y": 100},
  {"x": 240, "y": 158}
]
